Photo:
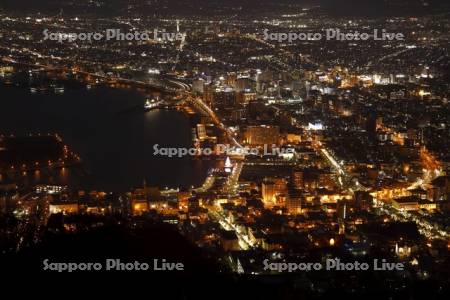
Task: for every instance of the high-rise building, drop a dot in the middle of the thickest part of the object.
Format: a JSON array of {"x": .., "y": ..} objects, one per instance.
[
  {"x": 294, "y": 201},
  {"x": 201, "y": 132},
  {"x": 224, "y": 99},
  {"x": 272, "y": 187},
  {"x": 208, "y": 94},
  {"x": 297, "y": 178},
  {"x": 342, "y": 210},
  {"x": 198, "y": 86},
  {"x": 231, "y": 79},
  {"x": 268, "y": 192}
]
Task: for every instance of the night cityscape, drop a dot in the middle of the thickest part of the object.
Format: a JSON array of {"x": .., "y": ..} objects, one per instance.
[{"x": 252, "y": 149}]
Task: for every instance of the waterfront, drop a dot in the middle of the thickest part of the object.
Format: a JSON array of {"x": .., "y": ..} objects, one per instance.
[{"x": 112, "y": 134}]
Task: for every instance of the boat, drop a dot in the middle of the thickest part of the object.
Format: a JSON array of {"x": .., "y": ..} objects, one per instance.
[
  {"x": 59, "y": 89},
  {"x": 153, "y": 104}
]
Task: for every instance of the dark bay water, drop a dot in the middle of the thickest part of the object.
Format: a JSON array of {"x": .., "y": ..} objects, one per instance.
[{"x": 110, "y": 132}]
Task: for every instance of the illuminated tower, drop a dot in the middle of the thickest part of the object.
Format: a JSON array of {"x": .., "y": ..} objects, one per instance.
[{"x": 228, "y": 165}]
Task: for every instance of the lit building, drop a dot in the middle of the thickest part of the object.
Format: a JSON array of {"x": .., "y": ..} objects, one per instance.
[
  {"x": 272, "y": 188},
  {"x": 262, "y": 135},
  {"x": 201, "y": 132},
  {"x": 402, "y": 250},
  {"x": 238, "y": 113},
  {"x": 224, "y": 99},
  {"x": 208, "y": 94},
  {"x": 50, "y": 189},
  {"x": 65, "y": 208},
  {"x": 268, "y": 192},
  {"x": 293, "y": 138},
  {"x": 427, "y": 205},
  {"x": 406, "y": 203},
  {"x": 198, "y": 86},
  {"x": 141, "y": 198},
  {"x": 139, "y": 206},
  {"x": 231, "y": 79},
  {"x": 297, "y": 178},
  {"x": 245, "y": 97},
  {"x": 294, "y": 201}
]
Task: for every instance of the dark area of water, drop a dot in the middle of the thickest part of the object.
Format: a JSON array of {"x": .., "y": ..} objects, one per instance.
[{"x": 110, "y": 131}]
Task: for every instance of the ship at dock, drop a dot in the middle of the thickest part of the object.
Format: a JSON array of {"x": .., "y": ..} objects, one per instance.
[{"x": 151, "y": 104}]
